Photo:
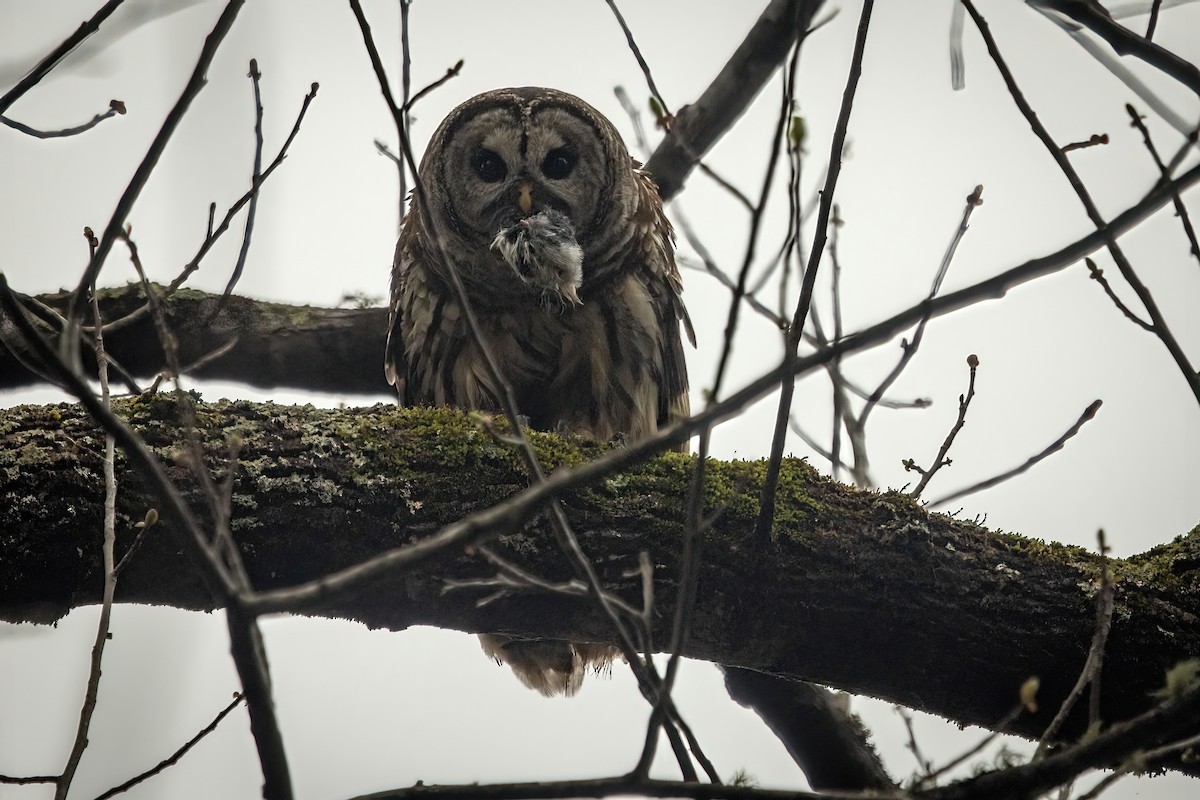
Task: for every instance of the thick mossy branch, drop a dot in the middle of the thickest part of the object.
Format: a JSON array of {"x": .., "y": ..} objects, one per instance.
[
  {"x": 864, "y": 591},
  {"x": 270, "y": 345}
]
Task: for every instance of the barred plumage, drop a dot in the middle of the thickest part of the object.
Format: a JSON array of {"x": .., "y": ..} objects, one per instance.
[{"x": 519, "y": 184}]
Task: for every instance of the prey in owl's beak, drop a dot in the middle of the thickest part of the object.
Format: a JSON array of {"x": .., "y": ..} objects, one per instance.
[{"x": 543, "y": 252}]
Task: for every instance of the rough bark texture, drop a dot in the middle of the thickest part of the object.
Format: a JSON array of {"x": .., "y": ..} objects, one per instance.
[
  {"x": 863, "y": 591},
  {"x": 275, "y": 345}
]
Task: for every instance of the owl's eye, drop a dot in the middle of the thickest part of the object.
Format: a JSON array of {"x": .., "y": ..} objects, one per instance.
[
  {"x": 558, "y": 163},
  {"x": 489, "y": 166}
]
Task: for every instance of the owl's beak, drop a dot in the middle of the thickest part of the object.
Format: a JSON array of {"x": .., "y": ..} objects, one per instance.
[{"x": 525, "y": 197}]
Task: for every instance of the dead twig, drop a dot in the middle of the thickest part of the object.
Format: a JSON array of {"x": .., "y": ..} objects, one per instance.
[
  {"x": 52, "y": 60},
  {"x": 115, "y": 108},
  {"x": 964, "y": 402},
  {"x": 1086, "y": 14},
  {"x": 1054, "y": 447},
  {"x": 1090, "y": 673},
  {"x": 175, "y": 757},
  {"x": 766, "y": 511},
  {"x": 1180, "y": 209}
]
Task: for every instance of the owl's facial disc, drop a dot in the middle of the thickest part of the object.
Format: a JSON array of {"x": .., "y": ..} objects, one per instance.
[{"x": 542, "y": 250}]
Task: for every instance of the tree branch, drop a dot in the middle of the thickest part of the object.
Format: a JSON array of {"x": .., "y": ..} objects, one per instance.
[
  {"x": 916, "y": 608},
  {"x": 697, "y": 127}
]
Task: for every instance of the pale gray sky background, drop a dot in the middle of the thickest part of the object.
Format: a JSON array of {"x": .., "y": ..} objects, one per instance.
[{"x": 365, "y": 710}]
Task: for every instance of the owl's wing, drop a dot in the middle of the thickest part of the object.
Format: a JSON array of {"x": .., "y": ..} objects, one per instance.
[
  {"x": 666, "y": 287},
  {"x": 395, "y": 365}
]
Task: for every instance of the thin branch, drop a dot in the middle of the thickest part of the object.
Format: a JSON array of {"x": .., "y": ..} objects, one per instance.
[
  {"x": 175, "y": 757},
  {"x": 597, "y": 787},
  {"x": 1124, "y": 41},
  {"x": 637, "y": 53},
  {"x": 43, "y": 67},
  {"x": 1054, "y": 447},
  {"x": 939, "y": 461},
  {"x": 1116, "y": 743},
  {"x": 255, "y": 181},
  {"x": 245, "y": 637},
  {"x": 999, "y": 730},
  {"x": 28, "y": 780},
  {"x": 1180, "y": 209},
  {"x": 70, "y": 340},
  {"x": 451, "y": 72},
  {"x": 405, "y": 91},
  {"x": 1087, "y": 11},
  {"x": 1150, "y": 26},
  {"x": 1090, "y": 673},
  {"x": 115, "y": 107},
  {"x": 766, "y": 511},
  {"x": 109, "y": 537},
  {"x": 213, "y": 234},
  {"x": 1097, "y": 274},
  {"x": 909, "y": 349}
]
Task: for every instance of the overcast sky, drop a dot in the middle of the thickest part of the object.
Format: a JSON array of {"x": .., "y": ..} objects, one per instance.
[{"x": 365, "y": 710}]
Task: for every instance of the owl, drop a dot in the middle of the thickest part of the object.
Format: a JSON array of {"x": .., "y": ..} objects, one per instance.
[{"x": 567, "y": 258}]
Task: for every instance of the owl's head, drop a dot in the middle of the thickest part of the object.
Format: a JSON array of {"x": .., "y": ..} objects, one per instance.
[{"x": 512, "y": 154}]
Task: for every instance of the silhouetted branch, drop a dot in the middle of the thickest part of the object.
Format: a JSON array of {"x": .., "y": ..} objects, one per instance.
[
  {"x": 43, "y": 67},
  {"x": 1053, "y": 448},
  {"x": 115, "y": 107},
  {"x": 698, "y": 126}
]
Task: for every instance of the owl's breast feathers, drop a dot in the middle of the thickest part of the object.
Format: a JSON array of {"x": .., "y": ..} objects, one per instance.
[{"x": 611, "y": 366}]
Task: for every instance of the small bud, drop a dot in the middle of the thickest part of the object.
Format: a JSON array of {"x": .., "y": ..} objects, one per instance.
[
  {"x": 797, "y": 132},
  {"x": 150, "y": 519},
  {"x": 972, "y": 361},
  {"x": 117, "y": 106},
  {"x": 1029, "y": 690}
]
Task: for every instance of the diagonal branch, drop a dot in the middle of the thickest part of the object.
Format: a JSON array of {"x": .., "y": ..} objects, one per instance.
[
  {"x": 44, "y": 67},
  {"x": 698, "y": 126}
]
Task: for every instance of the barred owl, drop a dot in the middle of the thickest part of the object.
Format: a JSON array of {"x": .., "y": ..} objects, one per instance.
[{"x": 567, "y": 259}]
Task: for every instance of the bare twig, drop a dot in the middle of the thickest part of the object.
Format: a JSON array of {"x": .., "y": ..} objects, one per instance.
[
  {"x": 1090, "y": 673},
  {"x": 766, "y": 511},
  {"x": 175, "y": 757},
  {"x": 598, "y": 787},
  {"x": 964, "y": 402},
  {"x": 637, "y": 53},
  {"x": 405, "y": 91},
  {"x": 1086, "y": 14},
  {"x": 109, "y": 537},
  {"x": 1096, "y": 139},
  {"x": 255, "y": 182},
  {"x": 1150, "y": 26},
  {"x": 932, "y": 775},
  {"x": 1054, "y": 447},
  {"x": 909, "y": 349},
  {"x": 115, "y": 107},
  {"x": 70, "y": 340},
  {"x": 43, "y": 67},
  {"x": 1124, "y": 41},
  {"x": 246, "y": 645},
  {"x": 1097, "y": 274},
  {"x": 28, "y": 780},
  {"x": 1180, "y": 209},
  {"x": 213, "y": 234}
]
